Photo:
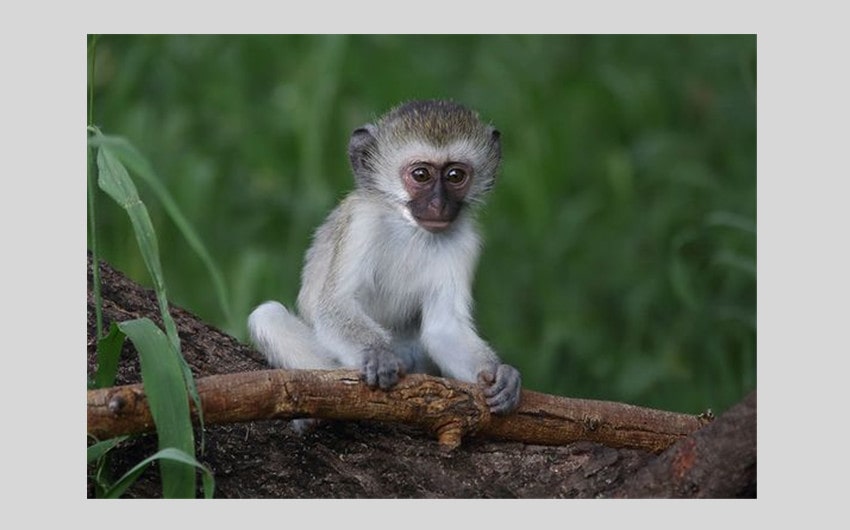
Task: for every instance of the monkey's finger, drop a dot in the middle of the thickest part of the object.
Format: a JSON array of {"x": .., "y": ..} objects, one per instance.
[
  {"x": 369, "y": 371},
  {"x": 505, "y": 377},
  {"x": 381, "y": 368},
  {"x": 503, "y": 395},
  {"x": 486, "y": 378},
  {"x": 369, "y": 375},
  {"x": 388, "y": 375},
  {"x": 504, "y": 402}
]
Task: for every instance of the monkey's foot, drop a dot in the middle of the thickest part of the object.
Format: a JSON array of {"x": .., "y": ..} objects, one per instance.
[{"x": 304, "y": 426}]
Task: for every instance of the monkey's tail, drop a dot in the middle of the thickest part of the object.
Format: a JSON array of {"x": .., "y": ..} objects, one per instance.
[{"x": 285, "y": 340}]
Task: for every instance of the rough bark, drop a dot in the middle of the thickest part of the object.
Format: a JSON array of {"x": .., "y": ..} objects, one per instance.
[
  {"x": 448, "y": 409},
  {"x": 356, "y": 459},
  {"x": 714, "y": 462}
]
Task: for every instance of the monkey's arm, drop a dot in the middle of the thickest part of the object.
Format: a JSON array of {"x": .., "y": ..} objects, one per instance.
[
  {"x": 450, "y": 338},
  {"x": 357, "y": 341},
  {"x": 337, "y": 269}
]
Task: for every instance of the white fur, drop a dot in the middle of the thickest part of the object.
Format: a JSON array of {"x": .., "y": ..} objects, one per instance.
[
  {"x": 369, "y": 273},
  {"x": 378, "y": 288},
  {"x": 285, "y": 340},
  {"x": 373, "y": 276}
]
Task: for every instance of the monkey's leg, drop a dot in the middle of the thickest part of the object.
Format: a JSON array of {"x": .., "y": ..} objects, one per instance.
[
  {"x": 286, "y": 341},
  {"x": 413, "y": 354}
]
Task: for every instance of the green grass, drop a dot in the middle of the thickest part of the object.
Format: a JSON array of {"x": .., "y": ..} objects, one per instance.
[
  {"x": 620, "y": 239},
  {"x": 166, "y": 377}
]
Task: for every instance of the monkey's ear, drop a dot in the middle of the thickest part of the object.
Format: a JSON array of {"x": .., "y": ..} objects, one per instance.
[
  {"x": 361, "y": 147},
  {"x": 496, "y": 141}
]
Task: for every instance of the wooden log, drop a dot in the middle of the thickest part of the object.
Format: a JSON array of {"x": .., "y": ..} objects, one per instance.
[{"x": 448, "y": 409}]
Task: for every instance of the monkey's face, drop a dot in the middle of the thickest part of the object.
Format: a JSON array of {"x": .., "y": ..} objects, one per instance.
[
  {"x": 430, "y": 158},
  {"x": 436, "y": 190}
]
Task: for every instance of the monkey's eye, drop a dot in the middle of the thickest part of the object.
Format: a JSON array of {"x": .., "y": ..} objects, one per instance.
[
  {"x": 420, "y": 174},
  {"x": 456, "y": 175}
]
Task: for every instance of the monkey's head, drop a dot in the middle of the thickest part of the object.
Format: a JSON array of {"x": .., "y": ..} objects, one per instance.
[{"x": 431, "y": 158}]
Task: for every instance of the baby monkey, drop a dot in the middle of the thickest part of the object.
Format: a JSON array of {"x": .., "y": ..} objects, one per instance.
[{"x": 386, "y": 285}]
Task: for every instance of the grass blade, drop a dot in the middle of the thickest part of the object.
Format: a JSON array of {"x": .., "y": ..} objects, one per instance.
[
  {"x": 99, "y": 449},
  {"x": 168, "y": 455},
  {"x": 91, "y": 169},
  {"x": 139, "y": 165},
  {"x": 165, "y": 389},
  {"x": 96, "y": 454},
  {"x": 114, "y": 179},
  {"x": 108, "y": 352}
]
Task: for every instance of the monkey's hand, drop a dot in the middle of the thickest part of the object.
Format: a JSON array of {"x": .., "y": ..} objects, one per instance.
[
  {"x": 381, "y": 367},
  {"x": 502, "y": 385}
]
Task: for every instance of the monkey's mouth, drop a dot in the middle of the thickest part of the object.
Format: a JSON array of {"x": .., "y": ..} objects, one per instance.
[{"x": 433, "y": 225}]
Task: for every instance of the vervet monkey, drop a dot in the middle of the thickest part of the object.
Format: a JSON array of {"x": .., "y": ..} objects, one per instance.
[{"x": 386, "y": 285}]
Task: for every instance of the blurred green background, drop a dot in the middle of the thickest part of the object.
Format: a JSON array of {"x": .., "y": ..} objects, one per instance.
[{"x": 620, "y": 241}]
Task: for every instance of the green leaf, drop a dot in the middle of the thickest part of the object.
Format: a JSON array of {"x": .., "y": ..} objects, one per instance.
[
  {"x": 108, "y": 352},
  {"x": 169, "y": 455},
  {"x": 96, "y": 454},
  {"x": 97, "y": 450},
  {"x": 95, "y": 256},
  {"x": 166, "y": 393},
  {"x": 139, "y": 165},
  {"x": 116, "y": 182}
]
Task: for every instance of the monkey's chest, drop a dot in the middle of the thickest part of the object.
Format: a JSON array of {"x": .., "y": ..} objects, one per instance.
[
  {"x": 393, "y": 301},
  {"x": 405, "y": 271}
]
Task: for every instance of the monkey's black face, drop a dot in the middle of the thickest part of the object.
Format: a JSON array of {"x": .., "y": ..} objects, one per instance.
[{"x": 437, "y": 192}]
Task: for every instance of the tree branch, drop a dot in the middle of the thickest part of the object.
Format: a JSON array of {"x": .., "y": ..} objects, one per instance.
[{"x": 446, "y": 408}]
